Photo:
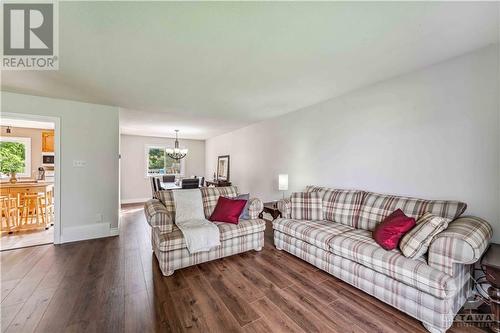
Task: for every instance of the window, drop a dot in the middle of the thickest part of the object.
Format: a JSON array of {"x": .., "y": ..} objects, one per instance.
[
  {"x": 15, "y": 151},
  {"x": 158, "y": 163}
]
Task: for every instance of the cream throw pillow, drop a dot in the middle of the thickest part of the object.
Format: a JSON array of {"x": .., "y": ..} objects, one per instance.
[
  {"x": 188, "y": 205},
  {"x": 416, "y": 242}
]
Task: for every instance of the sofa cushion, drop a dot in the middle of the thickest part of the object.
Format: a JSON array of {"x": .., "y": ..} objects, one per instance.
[
  {"x": 188, "y": 205},
  {"x": 314, "y": 188},
  {"x": 175, "y": 240},
  {"x": 211, "y": 195},
  {"x": 359, "y": 246},
  {"x": 317, "y": 233},
  {"x": 167, "y": 199},
  {"x": 388, "y": 233},
  {"x": 244, "y": 213},
  {"x": 376, "y": 207},
  {"x": 306, "y": 206},
  {"x": 415, "y": 242},
  {"x": 341, "y": 206},
  {"x": 228, "y": 210}
]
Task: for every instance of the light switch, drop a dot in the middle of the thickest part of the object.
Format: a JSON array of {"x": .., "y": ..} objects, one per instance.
[{"x": 79, "y": 164}]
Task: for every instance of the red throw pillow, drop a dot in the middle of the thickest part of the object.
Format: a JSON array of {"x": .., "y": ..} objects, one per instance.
[
  {"x": 228, "y": 210},
  {"x": 388, "y": 233}
]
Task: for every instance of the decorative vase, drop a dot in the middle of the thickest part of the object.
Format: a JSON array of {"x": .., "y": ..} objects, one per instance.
[{"x": 13, "y": 178}]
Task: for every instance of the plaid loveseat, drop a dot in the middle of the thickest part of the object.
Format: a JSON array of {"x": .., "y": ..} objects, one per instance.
[
  {"x": 169, "y": 244},
  {"x": 432, "y": 288}
]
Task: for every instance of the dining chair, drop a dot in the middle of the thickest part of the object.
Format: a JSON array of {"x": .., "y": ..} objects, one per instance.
[
  {"x": 158, "y": 184},
  {"x": 190, "y": 183},
  {"x": 9, "y": 210},
  {"x": 169, "y": 179},
  {"x": 153, "y": 186}
]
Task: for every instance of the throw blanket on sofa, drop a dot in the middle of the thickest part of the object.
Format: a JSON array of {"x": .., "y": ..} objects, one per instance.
[{"x": 200, "y": 234}]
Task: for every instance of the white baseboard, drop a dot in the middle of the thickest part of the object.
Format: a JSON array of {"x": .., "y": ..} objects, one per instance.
[
  {"x": 88, "y": 231},
  {"x": 114, "y": 231},
  {"x": 136, "y": 200}
]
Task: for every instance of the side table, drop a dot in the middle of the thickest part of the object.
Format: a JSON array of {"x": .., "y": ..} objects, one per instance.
[
  {"x": 271, "y": 208},
  {"x": 491, "y": 264},
  {"x": 217, "y": 183}
]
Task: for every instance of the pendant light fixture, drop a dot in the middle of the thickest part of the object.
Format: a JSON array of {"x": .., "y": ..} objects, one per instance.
[{"x": 176, "y": 153}]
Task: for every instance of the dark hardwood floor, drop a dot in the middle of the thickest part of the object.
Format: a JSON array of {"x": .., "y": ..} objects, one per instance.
[{"x": 115, "y": 285}]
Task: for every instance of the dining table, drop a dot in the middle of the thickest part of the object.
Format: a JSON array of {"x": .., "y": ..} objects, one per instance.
[{"x": 169, "y": 186}]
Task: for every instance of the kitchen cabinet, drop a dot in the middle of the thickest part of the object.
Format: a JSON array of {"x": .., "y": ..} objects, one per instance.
[{"x": 48, "y": 141}]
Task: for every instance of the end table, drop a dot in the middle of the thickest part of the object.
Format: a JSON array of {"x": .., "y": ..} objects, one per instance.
[
  {"x": 271, "y": 208},
  {"x": 491, "y": 264}
]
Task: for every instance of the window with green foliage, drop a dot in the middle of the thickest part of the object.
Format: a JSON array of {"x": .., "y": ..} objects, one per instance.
[
  {"x": 158, "y": 163},
  {"x": 15, "y": 156},
  {"x": 156, "y": 160}
]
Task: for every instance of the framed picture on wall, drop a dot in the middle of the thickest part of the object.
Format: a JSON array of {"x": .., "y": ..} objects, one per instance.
[{"x": 223, "y": 167}]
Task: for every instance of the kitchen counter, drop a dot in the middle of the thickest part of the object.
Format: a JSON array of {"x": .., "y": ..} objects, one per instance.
[{"x": 25, "y": 183}]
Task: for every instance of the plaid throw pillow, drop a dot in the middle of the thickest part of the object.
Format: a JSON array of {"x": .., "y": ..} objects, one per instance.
[
  {"x": 416, "y": 242},
  {"x": 376, "y": 207},
  {"x": 167, "y": 199},
  {"x": 306, "y": 206},
  {"x": 211, "y": 195}
]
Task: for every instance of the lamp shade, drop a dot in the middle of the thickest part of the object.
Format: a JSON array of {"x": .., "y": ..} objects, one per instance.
[{"x": 283, "y": 182}]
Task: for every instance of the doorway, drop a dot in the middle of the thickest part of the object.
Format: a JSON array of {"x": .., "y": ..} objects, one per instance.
[{"x": 29, "y": 181}]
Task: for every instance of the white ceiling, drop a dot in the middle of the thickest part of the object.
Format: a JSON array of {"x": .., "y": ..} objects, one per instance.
[
  {"x": 26, "y": 123},
  {"x": 208, "y": 68},
  {"x": 165, "y": 123}
]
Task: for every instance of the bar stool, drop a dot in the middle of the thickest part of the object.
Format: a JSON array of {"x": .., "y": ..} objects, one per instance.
[
  {"x": 32, "y": 213},
  {"x": 48, "y": 207},
  {"x": 9, "y": 210}
]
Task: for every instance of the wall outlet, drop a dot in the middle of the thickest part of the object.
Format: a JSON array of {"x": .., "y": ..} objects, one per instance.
[
  {"x": 79, "y": 164},
  {"x": 98, "y": 217}
]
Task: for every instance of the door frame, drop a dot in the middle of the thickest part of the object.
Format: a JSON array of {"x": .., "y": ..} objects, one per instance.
[{"x": 57, "y": 164}]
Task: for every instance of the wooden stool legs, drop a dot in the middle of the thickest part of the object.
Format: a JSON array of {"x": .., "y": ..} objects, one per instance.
[
  {"x": 8, "y": 209},
  {"x": 33, "y": 209}
]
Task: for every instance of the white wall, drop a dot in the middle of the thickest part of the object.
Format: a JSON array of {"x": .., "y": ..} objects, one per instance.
[
  {"x": 89, "y": 132},
  {"x": 433, "y": 133},
  {"x": 135, "y": 186}
]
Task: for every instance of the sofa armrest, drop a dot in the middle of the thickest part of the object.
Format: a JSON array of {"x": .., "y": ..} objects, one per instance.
[
  {"x": 255, "y": 207},
  {"x": 285, "y": 208},
  {"x": 158, "y": 216},
  {"x": 463, "y": 242}
]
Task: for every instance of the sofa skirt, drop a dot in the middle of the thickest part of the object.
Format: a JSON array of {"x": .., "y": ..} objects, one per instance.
[
  {"x": 427, "y": 308},
  {"x": 172, "y": 260}
]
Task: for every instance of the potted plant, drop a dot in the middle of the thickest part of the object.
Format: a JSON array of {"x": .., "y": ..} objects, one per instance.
[{"x": 10, "y": 164}]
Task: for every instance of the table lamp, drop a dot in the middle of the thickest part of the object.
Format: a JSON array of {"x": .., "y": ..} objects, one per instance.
[{"x": 283, "y": 183}]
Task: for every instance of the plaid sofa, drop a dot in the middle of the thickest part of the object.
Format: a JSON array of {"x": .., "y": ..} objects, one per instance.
[
  {"x": 169, "y": 244},
  {"x": 432, "y": 288}
]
